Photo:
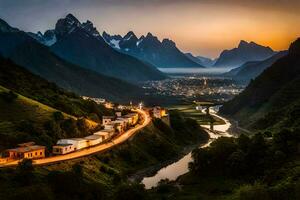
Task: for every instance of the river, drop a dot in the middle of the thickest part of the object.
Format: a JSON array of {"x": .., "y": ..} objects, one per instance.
[{"x": 180, "y": 167}]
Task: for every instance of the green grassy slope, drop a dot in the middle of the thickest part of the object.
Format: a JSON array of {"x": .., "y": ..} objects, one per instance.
[
  {"x": 20, "y": 80},
  {"x": 23, "y": 119}
]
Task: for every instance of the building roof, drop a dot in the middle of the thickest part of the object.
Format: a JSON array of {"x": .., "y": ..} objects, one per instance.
[
  {"x": 62, "y": 145},
  {"x": 102, "y": 133},
  {"x": 27, "y": 149},
  {"x": 26, "y": 144},
  {"x": 93, "y": 137}
]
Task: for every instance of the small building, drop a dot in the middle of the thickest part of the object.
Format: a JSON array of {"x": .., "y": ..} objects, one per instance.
[
  {"x": 125, "y": 121},
  {"x": 61, "y": 149},
  {"x": 119, "y": 126},
  {"x": 26, "y": 150},
  {"x": 118, "y": 114},
  {"x": 79, "y": 143},
  {"x": 134, "y": 117},
  {"x": 159, "y": 112},
  {"x": 107, "y": 119},
  {"x": 128, "y": 119},
  {"x": 109, "y": 126},
  {"x": 94, "y": 139},
  {"x": 104, "y": 134}
]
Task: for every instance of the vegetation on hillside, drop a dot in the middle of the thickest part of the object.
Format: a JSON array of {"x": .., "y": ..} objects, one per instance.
[
  {"x": 272, "y": 100},
  {"x": 27, "y": 84},
  {"x": 243, "y": 168},
  {"x": 23, "y": 119},
  {"x": 103, "y": 176}
]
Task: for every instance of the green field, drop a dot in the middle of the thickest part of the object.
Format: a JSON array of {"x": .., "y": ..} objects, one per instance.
[{"x": 189, "y": 111}]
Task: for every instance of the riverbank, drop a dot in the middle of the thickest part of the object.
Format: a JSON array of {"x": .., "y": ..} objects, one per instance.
[
  {"x": 152, "y": 170},
  {"x": 172, "y": 170}
]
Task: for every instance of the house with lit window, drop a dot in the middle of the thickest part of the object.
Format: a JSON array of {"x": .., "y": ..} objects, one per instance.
[
  {"x": 26, "y": 150},
  {"x": 133, "y": 116},
  {"x": 61, "y": 149},
  {"x": 107, "y": 119},
  {"x": 78, "y": 143}
]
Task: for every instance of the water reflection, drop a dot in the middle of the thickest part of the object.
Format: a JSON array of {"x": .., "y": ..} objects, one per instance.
[{"x": 173, "y": 171}]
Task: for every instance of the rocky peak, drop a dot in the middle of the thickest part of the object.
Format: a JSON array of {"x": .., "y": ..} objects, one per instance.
[
  {"x": 168, "y": 43},
  {"x": 295, "y": 47},
  {"x": 106, "y": 36},
  {"x": 130, "y": 36},
  {"x": 243, "y": 43},
  {"x": 66, "y": 25},
  {"x": 89, "y": 27}
]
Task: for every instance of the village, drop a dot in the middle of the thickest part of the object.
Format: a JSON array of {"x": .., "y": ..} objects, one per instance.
[{"x": 112, "y": 127}]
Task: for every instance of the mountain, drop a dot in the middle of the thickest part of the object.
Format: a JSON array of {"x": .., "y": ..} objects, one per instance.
[
  {"x": 150, "y": 49},
  {"x": 33, "y": 109},
  {"x": 243, "y": 53},
  {"x": 39, "y": 59},
  {"x": 271, "y": 100},
  {"x": 81, "y": 44},
  {"x": 252, "y": 69},
  {"x": 201, "y": 60}
]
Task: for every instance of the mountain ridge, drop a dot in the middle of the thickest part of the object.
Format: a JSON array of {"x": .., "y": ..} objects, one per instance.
[
  {"x": 243, "y": 53},
  {"x": 149, "y": 48},
  {"x": 19, "y": 46},
  {"x": 272, "y": 97},
  {"x": 74, "y": 41}
]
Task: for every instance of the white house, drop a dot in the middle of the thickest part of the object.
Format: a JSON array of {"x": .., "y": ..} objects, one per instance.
[
  {"x": 109, "y": 126},
  {"x": 94, "y": 139},
  {"x": 118, "y": 114},
  {"x": 107, "y": 119},
  {"x": 63, "y": 148},
  {"x": 79, "y": 143},
  {"x": 104, "y": 134}
]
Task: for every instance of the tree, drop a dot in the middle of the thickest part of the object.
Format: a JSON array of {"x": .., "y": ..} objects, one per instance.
[
  {"x": 24, "y": 172},
  {"x": 9, "y": 97},
  {"x": 58, "y": 116},
  {"x": 131, "y": 192}
]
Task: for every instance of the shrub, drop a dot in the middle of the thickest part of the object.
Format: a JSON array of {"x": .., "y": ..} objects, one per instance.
[{"x": 8, "y": 97}]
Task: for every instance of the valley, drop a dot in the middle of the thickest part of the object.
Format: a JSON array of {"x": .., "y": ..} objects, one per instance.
[{"x": 149, "y": 100}]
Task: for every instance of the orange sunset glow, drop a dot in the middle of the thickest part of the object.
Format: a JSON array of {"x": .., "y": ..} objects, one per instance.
[{"x": 201, "y": 27}]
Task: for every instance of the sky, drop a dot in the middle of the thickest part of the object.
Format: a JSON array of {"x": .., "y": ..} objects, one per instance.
[{"x": 203, "y": 27}]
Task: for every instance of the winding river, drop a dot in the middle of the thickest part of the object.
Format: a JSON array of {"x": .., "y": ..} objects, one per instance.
[{"x": 180, "y": 167}]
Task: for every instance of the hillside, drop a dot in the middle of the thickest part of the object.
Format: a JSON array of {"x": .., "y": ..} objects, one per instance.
[
  {"x": 252, "y": 69},
  {"x": 105, "y": 175},
  {"x": 81, "y": 44},
  {"x": 23, "y": 119},
  {"x": 23, "y": 82},
  {"x": 243, "y": 53},
  {"x": 150, "y": 49},
  {"x": 19, "y": 47},
  {"x": 272, "y": 100}
]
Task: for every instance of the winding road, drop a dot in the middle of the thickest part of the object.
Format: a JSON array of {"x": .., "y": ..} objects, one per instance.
[{"x": 91, "y": 150}]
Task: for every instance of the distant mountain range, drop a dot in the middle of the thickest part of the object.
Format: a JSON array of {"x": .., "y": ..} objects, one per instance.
[
  {"x": 201, "y": 60},
  {"x": 272, "y": 100},
  {"x": 252, "y": 69},
  {"x": 81, "y": 44},
  {"x": 245, "y": 52},
  {"x": 162, "y": 54},
  {"x": 39, "y": 59}
]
